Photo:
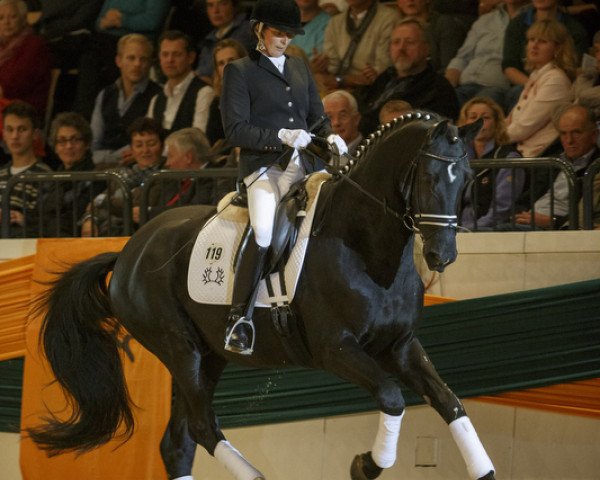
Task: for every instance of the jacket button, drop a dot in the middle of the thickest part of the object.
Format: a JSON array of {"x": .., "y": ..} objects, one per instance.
[
  {"x": 288, "y": 88},
  {"x": 291, "y": 119},
  {"x": 290, "y": 104}
]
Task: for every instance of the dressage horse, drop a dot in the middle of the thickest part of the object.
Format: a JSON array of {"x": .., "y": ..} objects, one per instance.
[{"x": 357, "y": 303}]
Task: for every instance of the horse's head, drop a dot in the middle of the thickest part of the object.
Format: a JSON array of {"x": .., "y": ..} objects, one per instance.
[{"x": 432, "y": 188}]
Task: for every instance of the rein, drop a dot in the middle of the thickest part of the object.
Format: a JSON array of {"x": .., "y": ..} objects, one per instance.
[{"x": 411, "y": 221}]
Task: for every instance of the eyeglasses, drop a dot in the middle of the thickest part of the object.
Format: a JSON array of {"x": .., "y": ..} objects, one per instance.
[{"x": 62, "y": 141}]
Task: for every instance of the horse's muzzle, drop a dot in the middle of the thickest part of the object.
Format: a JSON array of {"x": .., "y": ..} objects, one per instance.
[{"x": 439, "y": 250}]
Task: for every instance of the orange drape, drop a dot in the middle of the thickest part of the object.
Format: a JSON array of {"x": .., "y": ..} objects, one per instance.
[
  {"x": 148, "y": 380},
  {"x": 149, "y": 385}
]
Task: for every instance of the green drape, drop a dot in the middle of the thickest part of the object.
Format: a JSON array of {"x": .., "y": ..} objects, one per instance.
[{"x": 482, "y": 346}]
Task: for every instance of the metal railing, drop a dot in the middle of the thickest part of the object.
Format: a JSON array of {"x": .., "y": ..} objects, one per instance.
[
  {"x": 163, "y": 177},
  {"x": 114, "y": 184},
  {"x": 588, "y": 194},
  {"x": 534, "y": 168},
  {"x": 45, "y": 183}
]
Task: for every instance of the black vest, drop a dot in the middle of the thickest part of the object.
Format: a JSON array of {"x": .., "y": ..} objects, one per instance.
[
  {"x": 115, "y": 126},
  {"x": 184, "y": 118}
]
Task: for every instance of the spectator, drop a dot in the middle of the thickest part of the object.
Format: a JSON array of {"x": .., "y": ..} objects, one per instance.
[
  {"x": 185, "y": 99},
  {"x": 187, "y": 149},
  {"x": 224, "y": 52},
  {"x": 125, "y": 100},
  {"x": 489, "y": 198},
  {"x": 411, "y": 79},
  {"x": 578, "y": 136},
  {"x": 333, "y": 7},
  {"x": 476, "y": 70},
  {"x": 552, "y": 62},
  {"x": 446, "y": 32},
  {"x": 65, "y": 203},
  {"x": 393, "y": 109},
  {"x": 586, "y": 88},
  {"x": 586, "y": 12},
  {"x": 515, "y": 43},
  {"x": 229, "y": 21},
  {"x": 105, "y": 216},
  {"x": 355, "y": 48},
  {"x": 24, "y": 58},
  {"x": 314, "y": 21},
  {"x": 19, "y": 128},
  {"x": 67, "y": 26},
  {"x": 341, "y": 108}
]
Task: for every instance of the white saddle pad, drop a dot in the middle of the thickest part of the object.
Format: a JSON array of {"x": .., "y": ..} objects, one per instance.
[{"x": 210, "y": 274}]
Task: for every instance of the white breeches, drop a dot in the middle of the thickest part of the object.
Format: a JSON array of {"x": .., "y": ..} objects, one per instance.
[{"x": 265, "y": 187}]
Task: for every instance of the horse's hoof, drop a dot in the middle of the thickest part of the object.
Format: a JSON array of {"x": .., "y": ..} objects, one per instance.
[
  {"x": 364, "y": 467},
  {"x": 488, "y": 476}
]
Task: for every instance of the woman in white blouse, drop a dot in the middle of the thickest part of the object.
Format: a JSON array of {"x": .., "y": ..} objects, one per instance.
[{"x": 552, "y": 60}]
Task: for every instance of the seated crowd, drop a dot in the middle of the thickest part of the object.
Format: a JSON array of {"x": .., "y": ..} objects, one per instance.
[{"x": 130, "y": 93}]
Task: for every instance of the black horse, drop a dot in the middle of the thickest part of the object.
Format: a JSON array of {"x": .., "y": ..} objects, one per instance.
[{"x": 357, "y": 304}]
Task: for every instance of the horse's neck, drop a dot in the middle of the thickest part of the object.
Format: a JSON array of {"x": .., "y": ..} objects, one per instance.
[{"x": 377, "y": 237}]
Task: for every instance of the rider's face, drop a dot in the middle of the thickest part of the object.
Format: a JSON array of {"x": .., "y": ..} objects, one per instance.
[{"x": 276, "y": 41}]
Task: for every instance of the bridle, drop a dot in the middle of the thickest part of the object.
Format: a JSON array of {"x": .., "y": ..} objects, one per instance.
[{"x": 413, "y": 221}]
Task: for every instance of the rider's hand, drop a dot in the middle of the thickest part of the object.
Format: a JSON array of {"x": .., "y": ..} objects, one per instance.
[
  {"x": 294, "y": 138},
  {"x": 338, "y": 141}
]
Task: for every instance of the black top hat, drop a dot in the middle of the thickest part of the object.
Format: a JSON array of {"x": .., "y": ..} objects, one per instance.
[{"x": 283, "y": 15}]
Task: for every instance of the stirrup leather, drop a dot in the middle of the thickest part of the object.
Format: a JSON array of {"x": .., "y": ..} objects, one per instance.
[{"x": 231, "y": 329}]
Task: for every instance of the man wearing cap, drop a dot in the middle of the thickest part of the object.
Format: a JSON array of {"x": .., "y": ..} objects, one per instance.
[{"x": 269, "y": 104}]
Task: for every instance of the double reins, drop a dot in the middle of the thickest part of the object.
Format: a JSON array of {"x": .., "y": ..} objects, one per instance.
[{"x": 411, "y": 221}]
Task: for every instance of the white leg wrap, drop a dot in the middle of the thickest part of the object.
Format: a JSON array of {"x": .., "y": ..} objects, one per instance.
[
  {"x": 384, "y": 448},
  {"x": 235, "y": 463},
  {"x": 187, "y": 477},
  {"x": 465, "y": 436}
]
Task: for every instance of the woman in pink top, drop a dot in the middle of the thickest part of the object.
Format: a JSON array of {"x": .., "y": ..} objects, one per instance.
[{"x": 552, "y": 60}]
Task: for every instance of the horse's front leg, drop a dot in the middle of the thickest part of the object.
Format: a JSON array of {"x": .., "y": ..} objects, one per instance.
[
  {"x": 415, "y": 370},
  {"x": 349, "y": 361}
]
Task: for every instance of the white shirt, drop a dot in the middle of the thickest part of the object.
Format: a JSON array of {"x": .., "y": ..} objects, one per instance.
[{"x": 174, "y": 97}]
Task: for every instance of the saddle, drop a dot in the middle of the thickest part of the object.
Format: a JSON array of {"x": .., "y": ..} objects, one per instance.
[{"x": 288, "y": 220}]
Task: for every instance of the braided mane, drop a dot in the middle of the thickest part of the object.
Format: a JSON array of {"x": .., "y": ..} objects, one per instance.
[{"x": 382, "y": 132}]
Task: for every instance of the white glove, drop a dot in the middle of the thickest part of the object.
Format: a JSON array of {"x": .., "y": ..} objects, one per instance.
[
  {"x": 294, "y": 138},
  {"x": 338, "y": 141}
]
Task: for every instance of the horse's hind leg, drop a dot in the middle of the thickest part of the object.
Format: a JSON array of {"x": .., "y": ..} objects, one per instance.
[
  {"x": 417, "y": 372},
  {"x": 177, "y": 447}
]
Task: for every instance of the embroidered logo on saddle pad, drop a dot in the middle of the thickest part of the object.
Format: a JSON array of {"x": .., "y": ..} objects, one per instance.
[{"x": 210, "y": 275}]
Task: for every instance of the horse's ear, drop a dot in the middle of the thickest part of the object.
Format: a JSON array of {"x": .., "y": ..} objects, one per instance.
[
  {"x": 439, "y": 130},
  {"x": 468, "y": 132}
]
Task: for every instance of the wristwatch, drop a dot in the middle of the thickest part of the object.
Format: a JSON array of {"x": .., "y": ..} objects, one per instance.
[{"x": 339, "y": 80}]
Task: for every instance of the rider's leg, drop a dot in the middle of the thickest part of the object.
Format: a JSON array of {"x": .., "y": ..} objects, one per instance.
[
  {"x": 262, "y": 202},
  {"x": 265, "y": 188}
]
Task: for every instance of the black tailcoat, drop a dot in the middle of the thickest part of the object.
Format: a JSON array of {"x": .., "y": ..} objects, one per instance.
[{"x": 257, "y": 101}]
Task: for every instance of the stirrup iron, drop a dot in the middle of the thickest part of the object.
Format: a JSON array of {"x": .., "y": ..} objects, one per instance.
[{"x": 240, "y": 321}]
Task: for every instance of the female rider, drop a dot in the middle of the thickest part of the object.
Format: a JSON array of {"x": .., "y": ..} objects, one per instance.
[{"x": 269, "y": 103}]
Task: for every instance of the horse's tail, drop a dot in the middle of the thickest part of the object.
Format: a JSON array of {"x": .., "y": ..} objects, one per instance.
[{"x": 79, "y": 338}]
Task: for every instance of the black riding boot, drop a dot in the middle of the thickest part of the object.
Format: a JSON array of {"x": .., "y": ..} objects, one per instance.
[{"x": 239, "y": 334}]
